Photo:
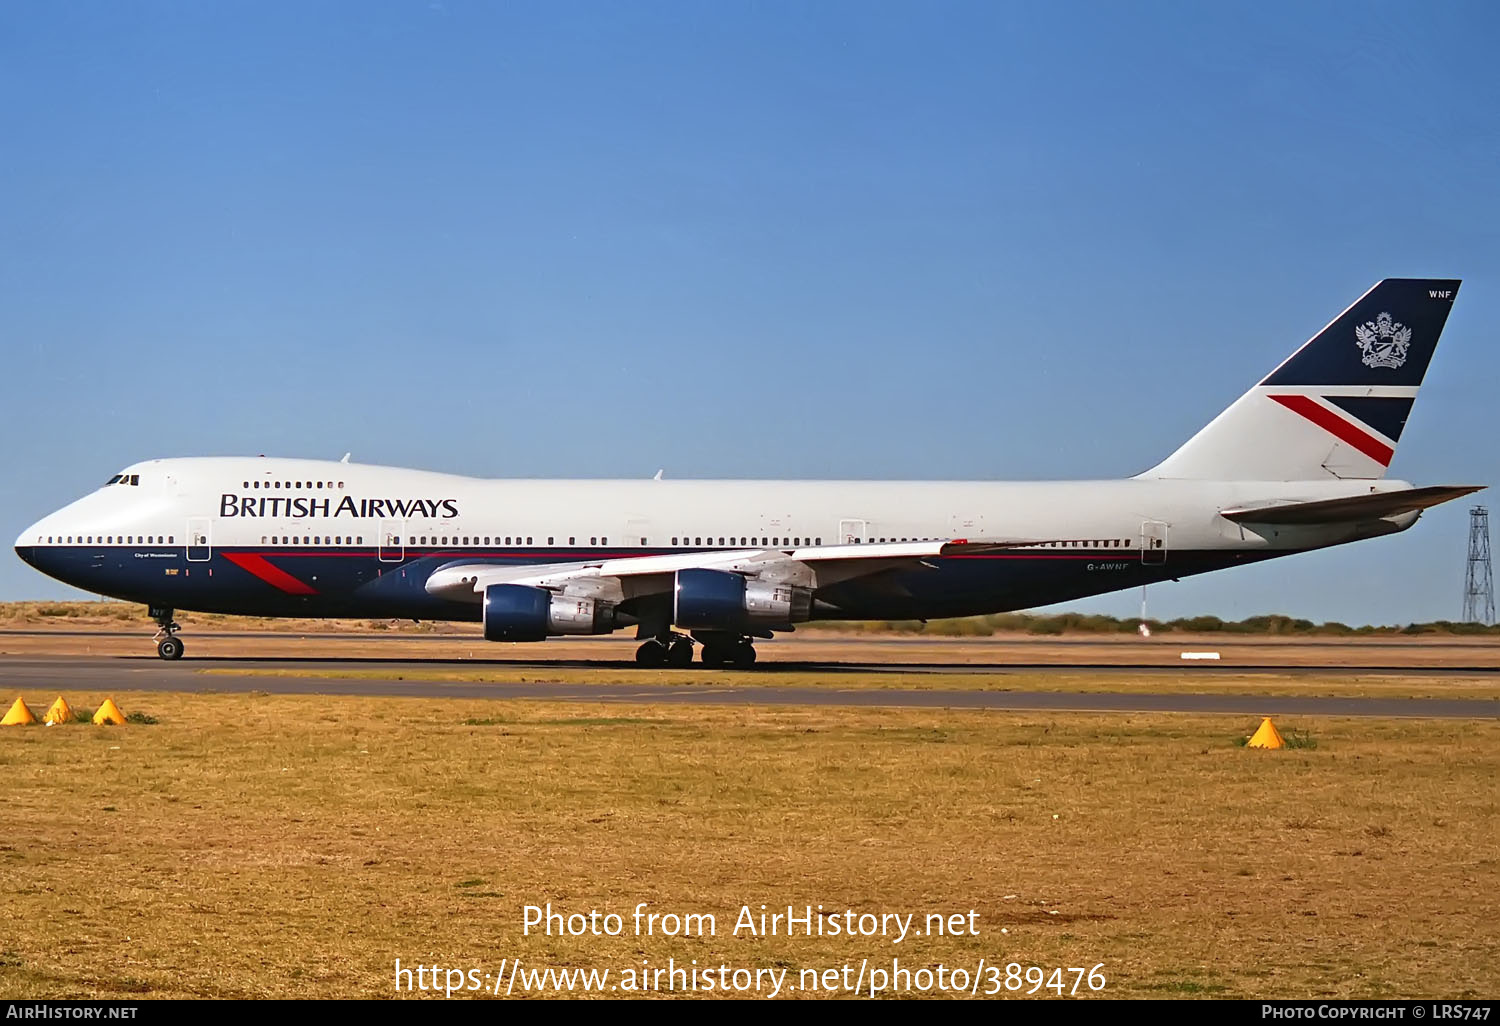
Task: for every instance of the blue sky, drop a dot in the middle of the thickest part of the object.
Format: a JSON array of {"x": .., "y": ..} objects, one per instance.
[{"x": 731, "y": 239}]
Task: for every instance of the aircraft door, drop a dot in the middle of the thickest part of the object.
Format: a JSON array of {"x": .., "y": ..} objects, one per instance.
[
  {"x": 853, "y": 532},
  {"x": 199, "y": 539},
  {"x": 392, "y": 541},
  {"x": 1153, "y": 543}
]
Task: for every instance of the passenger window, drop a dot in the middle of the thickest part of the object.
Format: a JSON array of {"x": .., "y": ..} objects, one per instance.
[
  {"x": 674, "y": 539},
  {"x": 604, "y": 542},
  {"x": 817, "y": 541},
  {"x": 549, "y": 539},
  {"x": 593, "y": 541},
  {"x": 528, "y": 539}
]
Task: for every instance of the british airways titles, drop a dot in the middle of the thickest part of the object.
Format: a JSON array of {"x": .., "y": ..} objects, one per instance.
[{"x": 300, "y": 506}]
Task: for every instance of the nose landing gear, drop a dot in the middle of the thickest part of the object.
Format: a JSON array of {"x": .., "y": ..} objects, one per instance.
[{"x": 168, "y": 646}]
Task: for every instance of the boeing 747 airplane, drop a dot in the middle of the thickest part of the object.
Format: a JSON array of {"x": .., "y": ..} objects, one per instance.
[{"x": 1296, "y": 463}]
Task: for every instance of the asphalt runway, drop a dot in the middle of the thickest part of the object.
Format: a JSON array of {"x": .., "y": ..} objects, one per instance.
[
  {"x": 806, "y": 640},
  {"x": 40, "y": 675}
]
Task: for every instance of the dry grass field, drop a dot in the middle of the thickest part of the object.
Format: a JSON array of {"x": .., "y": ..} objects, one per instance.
[{"x": 251, "y": 845}]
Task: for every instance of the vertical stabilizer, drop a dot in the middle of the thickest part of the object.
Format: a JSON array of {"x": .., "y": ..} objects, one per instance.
[{"x": 1337, "y": 406}]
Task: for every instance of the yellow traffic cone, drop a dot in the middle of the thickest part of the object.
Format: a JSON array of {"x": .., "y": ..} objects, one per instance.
[
  {"x": 1266, "y": 737},
  {"x": 19, "y": 715},
  {"x": 60, "y": 712},
  {"x": 110, "y": 713}
]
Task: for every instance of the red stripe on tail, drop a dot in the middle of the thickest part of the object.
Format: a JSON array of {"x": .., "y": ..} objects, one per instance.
[{"x": 1337, "y": 426}]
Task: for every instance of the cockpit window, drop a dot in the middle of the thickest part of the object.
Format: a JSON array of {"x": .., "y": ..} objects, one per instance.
[
  {"x": 124, "y": 479},
  {"x": 114, "y": 480}
]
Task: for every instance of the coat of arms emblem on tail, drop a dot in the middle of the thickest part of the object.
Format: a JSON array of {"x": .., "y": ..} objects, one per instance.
[{"x": 1383, "y": 341}]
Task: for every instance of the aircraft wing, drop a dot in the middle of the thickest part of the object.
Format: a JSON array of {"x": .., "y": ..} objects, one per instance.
[
  {"x": 1359, "y": 507},
  {"x": 814, "y": 566}
]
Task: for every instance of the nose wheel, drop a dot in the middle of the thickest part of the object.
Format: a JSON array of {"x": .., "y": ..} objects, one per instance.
[{"x": 168, "y": 645}]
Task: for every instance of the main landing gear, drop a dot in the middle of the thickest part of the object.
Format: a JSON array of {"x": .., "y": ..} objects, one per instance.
[
  {"x": 168, "y": 646},
  {"x": 736, "y": 652},
  {"x": 677, "y": 650},
  {"x": 673, "y": 650},
  {"x": 662, "y": 646}
]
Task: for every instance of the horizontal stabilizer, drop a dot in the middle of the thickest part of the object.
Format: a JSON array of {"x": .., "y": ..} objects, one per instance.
[{"x": 1359, "y": 507}]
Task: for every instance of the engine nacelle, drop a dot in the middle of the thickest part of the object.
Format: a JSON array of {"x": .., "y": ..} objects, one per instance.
[
  {"x": 715, "y": 600},
  {"x": 518, "y": 612}
]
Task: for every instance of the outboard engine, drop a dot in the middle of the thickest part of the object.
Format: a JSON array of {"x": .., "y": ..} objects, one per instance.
[
  {"x": 715, "y": 600},
  {"x": 518, "y": 612}
]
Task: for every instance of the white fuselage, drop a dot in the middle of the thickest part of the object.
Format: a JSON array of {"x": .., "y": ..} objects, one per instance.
[{"x": 329, "y": 532}]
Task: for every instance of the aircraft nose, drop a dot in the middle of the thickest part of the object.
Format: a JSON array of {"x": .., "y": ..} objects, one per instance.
[{"x": 26, "y": 544}]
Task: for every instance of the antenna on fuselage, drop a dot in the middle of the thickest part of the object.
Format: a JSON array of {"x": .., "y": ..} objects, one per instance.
[
  {"x": 346, "y": 457},
  {"x": 657, "y": 476}
]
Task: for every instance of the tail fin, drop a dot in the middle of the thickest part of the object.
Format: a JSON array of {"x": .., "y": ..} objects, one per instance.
[{"x": 1336, "y": 407}]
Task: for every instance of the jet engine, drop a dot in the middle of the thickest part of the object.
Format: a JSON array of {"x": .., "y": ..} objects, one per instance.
[
  {"x": 720, "y": 601},
  {"x": 518, "y": 612}
]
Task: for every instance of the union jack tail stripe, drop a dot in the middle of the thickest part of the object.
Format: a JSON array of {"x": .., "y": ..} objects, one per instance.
[{"x": 1348, "y": 431}]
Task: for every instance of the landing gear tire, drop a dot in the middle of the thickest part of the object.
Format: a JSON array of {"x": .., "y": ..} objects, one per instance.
[
  {"x": 169, "y": 648},
  {"x": 652, "y": 653},
  {"x": 743, "y": 655},
  {"x": 739, "y": 654},
  {"x": 681, "y": 653}
]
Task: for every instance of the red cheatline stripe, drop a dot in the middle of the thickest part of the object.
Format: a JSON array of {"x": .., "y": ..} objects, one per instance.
[
  {"x": 275, "y": 576},
  {"x": 1338, "y": 427}
]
